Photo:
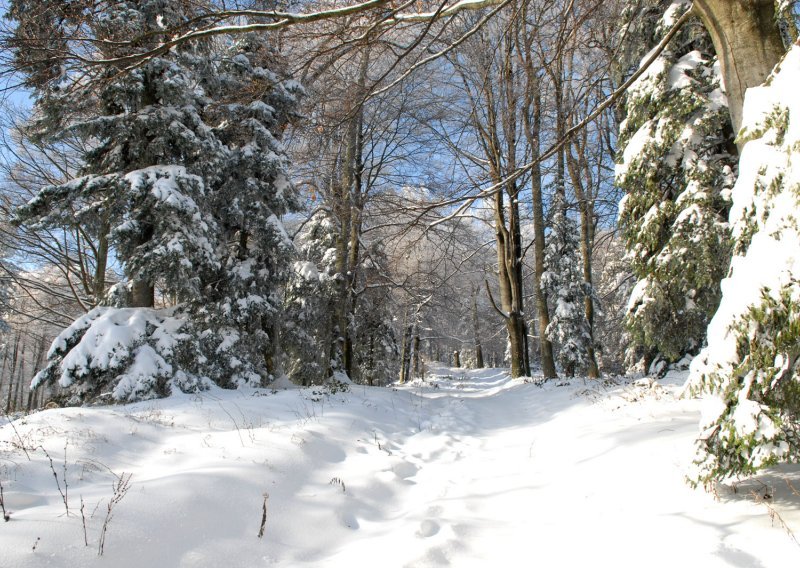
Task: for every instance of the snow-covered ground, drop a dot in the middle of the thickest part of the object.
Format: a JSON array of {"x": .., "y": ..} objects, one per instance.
[{"x": 471, "y": 470}]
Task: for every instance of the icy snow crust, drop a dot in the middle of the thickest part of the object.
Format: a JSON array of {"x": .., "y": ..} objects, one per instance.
[{"x": 470, "y": 468}]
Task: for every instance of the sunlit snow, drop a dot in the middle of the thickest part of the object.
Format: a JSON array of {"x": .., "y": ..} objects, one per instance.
[{"x": 469, "y": 468}]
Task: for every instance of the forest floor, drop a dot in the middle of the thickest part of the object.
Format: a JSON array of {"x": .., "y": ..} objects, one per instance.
[{"x": 468, "y": 468}]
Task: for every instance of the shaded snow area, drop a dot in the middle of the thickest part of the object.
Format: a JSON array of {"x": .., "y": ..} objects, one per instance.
[{"x": 469, "y": 468}]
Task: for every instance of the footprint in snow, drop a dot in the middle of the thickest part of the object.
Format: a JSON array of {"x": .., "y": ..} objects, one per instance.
[
  {"x": 349, "y": 520},
  {"x": 428, "y": 528},
  {"x": 405, "y": 469}
]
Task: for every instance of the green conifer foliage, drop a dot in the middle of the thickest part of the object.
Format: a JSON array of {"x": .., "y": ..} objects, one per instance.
[
  {"x": 751, "y": 365},
  {"x": 565, "y": 288},
  {"x": 188, "y": 175},
  {"x": 676, "y": 167}
]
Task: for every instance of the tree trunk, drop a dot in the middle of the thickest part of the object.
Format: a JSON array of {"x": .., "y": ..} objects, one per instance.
[
  {"x": 347, "y": 208},
  {"x": 532, "y": 117},
  {"x": 20, "y": 378},
  {"x": 405, "y": 348},
  {"x": 542, "y": 311},
  {"x": 748, "y": 44},
  {"x": 101, "y": 262},
  {"x": 456, "y": 359},
  {"x": 476, "y": 331},
  {"x": 10, "y": 393},
  {"x": 507, "y": 219},
  {"x": 143, "y": 292},
  {"x": 38, "y": 360},
  {"x": 415, "y": 352},
  {"x": 586, "y": 208}
]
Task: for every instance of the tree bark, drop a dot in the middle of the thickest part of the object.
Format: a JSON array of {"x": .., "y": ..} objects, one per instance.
[
  {"x": 415, "y": 352},
  {"x": 11, "y": 374},
  {"x": 405, "y": 349},
  {"x": 348, "y": 208},
  {"x": 532, "y": 117},
  {"x": 748, "y": 44},
  {"x": 101, "y": 262},
  {"x": 476, "y": 331},
  {"x": 20, "y": 378},
  {"x": 586, "y": 208},
  {"x": 143, "y": 292}
]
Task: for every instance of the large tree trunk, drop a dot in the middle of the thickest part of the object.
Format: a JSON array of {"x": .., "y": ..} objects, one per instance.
[
  {"x": 143, "y": 292},
  {"x": 747, "y": 41},
  {"x": 532, "y": 119},
  {"x": 508, "y": 226},
  {"x": 348, "y": 209}
]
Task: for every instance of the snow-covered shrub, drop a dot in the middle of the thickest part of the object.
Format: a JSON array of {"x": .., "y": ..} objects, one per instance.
[
  {"x": 751, "y": 362},
  {"x": 122, "y": 355},
  {"x": 676, "y": 169}
]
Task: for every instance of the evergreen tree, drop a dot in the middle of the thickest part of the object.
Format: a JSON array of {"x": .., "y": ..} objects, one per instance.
[
  {"x": 676, "y": 167},
  {"x": 251, "y": 106},
  {"x": 188, "y": 175},
  {"x": 375, "y": 348},
  {"x": 310, "y": 294},
  {"x": 752, "y": 362},
  {"x": 563, "y": 283}
]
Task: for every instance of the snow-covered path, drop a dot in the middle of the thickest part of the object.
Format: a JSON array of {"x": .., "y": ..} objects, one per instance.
[{"x": 471, "y": 469}]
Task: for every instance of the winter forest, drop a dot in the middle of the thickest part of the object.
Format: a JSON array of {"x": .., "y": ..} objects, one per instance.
[{"x": 321, "y": 258}]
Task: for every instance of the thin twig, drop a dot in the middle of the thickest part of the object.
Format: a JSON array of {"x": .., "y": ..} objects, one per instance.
[
  {"x": 120, "y": 489},
  {"x": 55, "y": 476},
  {"x": 16, "y": 433},
  {"x": 772, "y": 512},
  {"x": 83, "y": 519},
  {"x": 263, "y": 516}
]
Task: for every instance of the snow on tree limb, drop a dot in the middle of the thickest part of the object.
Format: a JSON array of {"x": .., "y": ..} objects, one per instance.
[{"x": 391, "y": 17}]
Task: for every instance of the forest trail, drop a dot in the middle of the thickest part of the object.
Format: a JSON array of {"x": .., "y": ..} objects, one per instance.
[
  {"x": 467, "y": 468},
  {"x": 511, "y": 474}
]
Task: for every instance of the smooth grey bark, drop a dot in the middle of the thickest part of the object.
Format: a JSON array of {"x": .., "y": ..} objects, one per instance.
[
  {"x": 532, "y": 121},
  {"x": 747, "y": 41}
]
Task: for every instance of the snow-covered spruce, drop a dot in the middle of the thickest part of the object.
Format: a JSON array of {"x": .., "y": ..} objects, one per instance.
[
  {"x": 566, "y": 290},
  {"x": 187, "y": 175},
  {"x": 676, "y": 168},
  {"x": 310, "y": 293},
  {"x": 241, "y": 311},
  {"x": 751, "y": 362},
  {"x": 122, "y": 354},
  {"x": 310, "y": 296}
]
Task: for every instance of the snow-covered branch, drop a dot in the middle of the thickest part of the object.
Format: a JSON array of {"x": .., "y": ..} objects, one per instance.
[{"x": 388, "y": 17}]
